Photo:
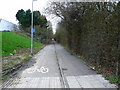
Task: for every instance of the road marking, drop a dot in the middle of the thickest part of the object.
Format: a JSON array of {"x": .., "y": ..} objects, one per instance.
[
  {"x": 43, "y": 70},
  {"x": 32, "y": 69},
  {"x": 35, "y": 68}
]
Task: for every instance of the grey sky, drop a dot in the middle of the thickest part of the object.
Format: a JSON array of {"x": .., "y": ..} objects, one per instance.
[{"x": 9, "y": 8}]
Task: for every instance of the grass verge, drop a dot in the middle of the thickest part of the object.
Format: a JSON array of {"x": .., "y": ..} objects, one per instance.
[
  {"x": 12, "y": 41},
  {"x": 15, "y": 51}
]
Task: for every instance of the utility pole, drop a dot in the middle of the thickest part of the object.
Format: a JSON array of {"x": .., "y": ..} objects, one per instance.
[{"x": 32, "y": 30}]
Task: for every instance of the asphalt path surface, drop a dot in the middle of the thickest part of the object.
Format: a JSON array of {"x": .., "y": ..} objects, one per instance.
[{"x": 54, "y": 67}]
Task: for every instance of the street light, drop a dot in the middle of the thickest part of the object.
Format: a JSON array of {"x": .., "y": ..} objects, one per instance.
[{"x": 32, "y": 28}]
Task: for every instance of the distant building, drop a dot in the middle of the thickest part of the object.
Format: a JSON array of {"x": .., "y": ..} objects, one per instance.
[{"x": 7, "y": 26}]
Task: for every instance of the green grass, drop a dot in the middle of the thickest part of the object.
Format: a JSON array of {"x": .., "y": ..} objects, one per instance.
[
  {"x": 12, "y": 41},
  {"x": 27, "y": 58},
  {"x": 0, "y": 44},
  {"x": 112, "y": 79}
]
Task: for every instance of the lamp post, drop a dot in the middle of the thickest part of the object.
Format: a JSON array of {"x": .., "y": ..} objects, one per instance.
[{"x": 32, "y": 28}]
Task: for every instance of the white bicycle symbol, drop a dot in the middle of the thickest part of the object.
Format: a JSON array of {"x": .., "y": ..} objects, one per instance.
[{"x": 42, "y": 70}]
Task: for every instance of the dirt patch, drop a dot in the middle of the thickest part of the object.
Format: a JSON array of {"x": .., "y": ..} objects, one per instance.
[{"x": 13, "y": 62}]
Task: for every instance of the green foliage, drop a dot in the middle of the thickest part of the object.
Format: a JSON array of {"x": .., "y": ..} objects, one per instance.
[
  {"x": 112, "y": 79},
  {"x": 24, "y": 18},
  {"x": 12, "y": 41},
  {"x": 21, "y": 16},
  {"x": 91, "y": 30},
  {"x": 43, "y": 31},
  {"x": 27, "y": 58},
  {"x": 44, "y": 34}
]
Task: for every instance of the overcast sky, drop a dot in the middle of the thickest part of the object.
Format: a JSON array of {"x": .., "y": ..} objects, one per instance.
[{"x": 9, "y": 8}]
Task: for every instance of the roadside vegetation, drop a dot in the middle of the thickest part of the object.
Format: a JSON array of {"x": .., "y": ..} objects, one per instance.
[
  {"x": 43, "y": 28},
  {"x": 91, "y": 30},
  {"x": 16, "y": 52},
  {"x": 0, "y": 38},
  {"x": 12, "y": 42},
  {"x": 16, "y": 45}
]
